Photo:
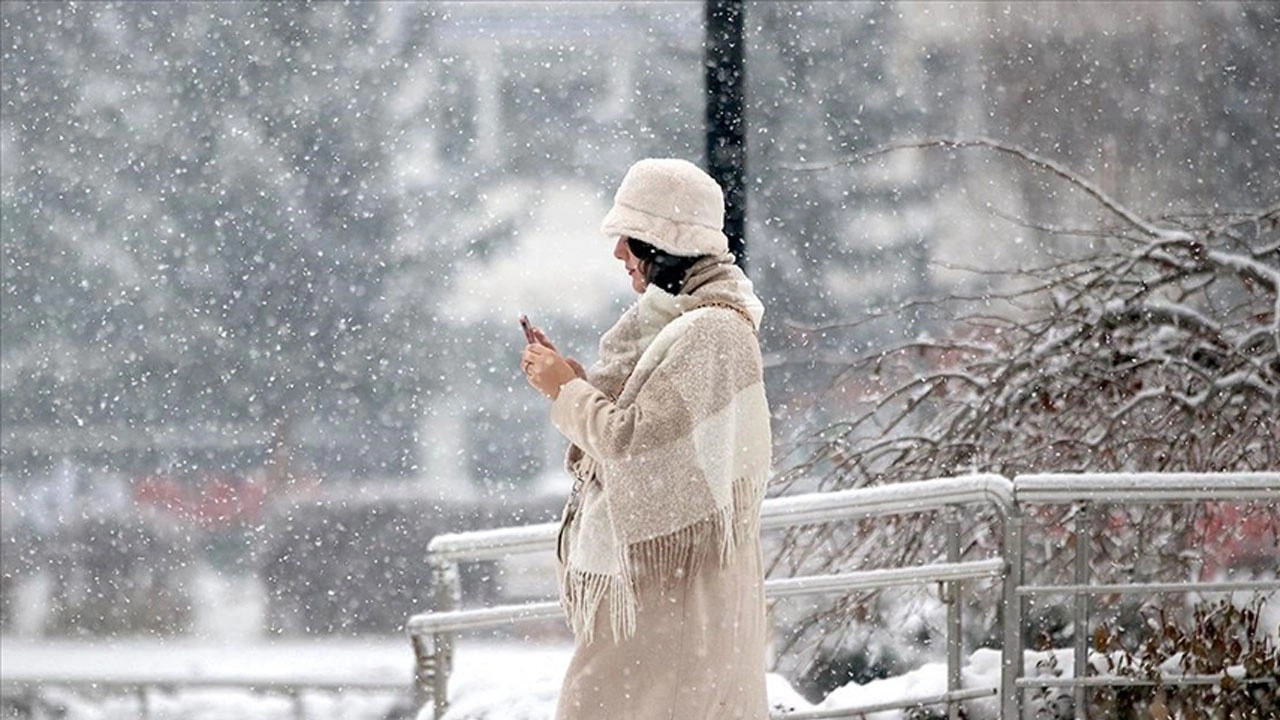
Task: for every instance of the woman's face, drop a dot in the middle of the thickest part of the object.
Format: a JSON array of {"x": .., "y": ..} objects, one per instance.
[{"x": 622, "y": 251}]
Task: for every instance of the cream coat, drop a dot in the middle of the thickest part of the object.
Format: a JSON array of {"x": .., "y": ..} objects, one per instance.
[
  {"x": 679, "y": 634},
  {"x": 698, "y": 652}
]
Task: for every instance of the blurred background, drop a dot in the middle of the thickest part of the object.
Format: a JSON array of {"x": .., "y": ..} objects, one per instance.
[{"x": 262, "y": 262}]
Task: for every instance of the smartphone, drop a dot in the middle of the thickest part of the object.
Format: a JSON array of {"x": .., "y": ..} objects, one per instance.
[{"x": 528, "y": 330}]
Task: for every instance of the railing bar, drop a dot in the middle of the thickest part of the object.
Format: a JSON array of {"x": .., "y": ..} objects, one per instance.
[
  {"x": 437, "y": 622},
  {"x": 483, "y": 617},
  {"x": 494, "y": 544},
  {"x": 1083, "y": 528},
  {"x": 919, "y": 496},
  {"x": 255, "y": 684},
  {"x": 1120, "y": 680},
  {"x": 1258, "y": 478},
  {"x": 831, "y": 713},
  {"x": 872, "y": 579},
  {"x": 1147, "y": 497},
  {"x": 1123, "y": 588},
  {"x": 1013, "y": 610},
  {"x": 1047, "y": 488},
  {"x": 955, "y": 638}
]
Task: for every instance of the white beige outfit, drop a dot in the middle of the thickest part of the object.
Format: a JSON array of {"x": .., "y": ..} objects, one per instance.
[{"x": 662, "y": 575}]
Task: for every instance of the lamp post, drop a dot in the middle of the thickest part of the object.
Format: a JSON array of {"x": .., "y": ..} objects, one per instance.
[{"x": 725, "y": 115}]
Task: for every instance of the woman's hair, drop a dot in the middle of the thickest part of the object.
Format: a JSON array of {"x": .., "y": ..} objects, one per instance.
[{"x": 660, "y": 268}]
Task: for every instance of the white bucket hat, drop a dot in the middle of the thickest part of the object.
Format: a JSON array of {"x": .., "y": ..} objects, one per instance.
[{"x": 672, "y": 205}]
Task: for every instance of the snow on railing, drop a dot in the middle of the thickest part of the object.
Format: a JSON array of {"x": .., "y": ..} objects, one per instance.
[
  {"x": 493, "y": 544},
  {"x": 1147, "y": 487}
]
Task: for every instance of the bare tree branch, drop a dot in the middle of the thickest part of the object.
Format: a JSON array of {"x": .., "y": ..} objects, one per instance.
[
  {"x": 1154, "y": 348},
  {"x": 1031, "y": 158}
]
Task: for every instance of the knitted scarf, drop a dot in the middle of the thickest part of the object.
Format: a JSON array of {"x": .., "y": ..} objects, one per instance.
[{"x": 671, "y": 444}]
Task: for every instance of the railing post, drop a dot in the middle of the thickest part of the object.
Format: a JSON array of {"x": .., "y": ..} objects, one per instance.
[
  {"x": 952, "y": 598},
  {"x": 1011, "y": 616},
  {"x": 1083, "y": 530},
  {"x": 424, "y": 665},
  {"x": 448, "y": 596}
]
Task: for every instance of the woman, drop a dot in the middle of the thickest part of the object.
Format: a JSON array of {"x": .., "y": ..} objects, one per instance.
[{"x": 661, "y": 570}]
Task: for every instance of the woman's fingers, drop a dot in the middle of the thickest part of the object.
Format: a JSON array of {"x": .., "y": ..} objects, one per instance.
[
  {"x": 536, "y": 358},
  {"x": 542, "y": 338},
  {"x": 538, "y": 353},
  {"x": 545, "y": 369},
  {"x": 527, "y": 359}
]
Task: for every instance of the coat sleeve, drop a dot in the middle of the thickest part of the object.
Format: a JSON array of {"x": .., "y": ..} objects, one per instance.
[
  {"x": 589, "y": 419},
  {"x": 693, "y": 379}
]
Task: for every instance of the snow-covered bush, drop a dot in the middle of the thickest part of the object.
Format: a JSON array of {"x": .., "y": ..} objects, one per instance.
[
  {"x": 1136, "y": 344},
  {"x": 1222, "y": 639}
]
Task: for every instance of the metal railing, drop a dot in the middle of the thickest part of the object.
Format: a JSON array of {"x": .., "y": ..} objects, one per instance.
[
  {"x": 432, "y": 633},
  {"x": 1085, "y": 492}
]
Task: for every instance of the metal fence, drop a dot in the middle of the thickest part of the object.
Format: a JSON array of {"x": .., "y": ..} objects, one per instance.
[
  {"x": 1085, "y": 493},
  {"x": 431, "y": 634}
]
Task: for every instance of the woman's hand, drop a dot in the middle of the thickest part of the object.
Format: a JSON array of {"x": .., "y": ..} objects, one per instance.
[
  {"x": 543, "y": 339},
  {"x": 546, "y": 370}
]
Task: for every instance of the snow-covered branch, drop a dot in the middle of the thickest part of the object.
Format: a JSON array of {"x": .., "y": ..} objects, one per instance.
[{"x": 1155, "y": 350}]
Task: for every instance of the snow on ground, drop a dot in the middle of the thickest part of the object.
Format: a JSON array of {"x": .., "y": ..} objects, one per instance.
[
  {"x": 176, "y": 659},
  {"x": 179, "y": 658}
]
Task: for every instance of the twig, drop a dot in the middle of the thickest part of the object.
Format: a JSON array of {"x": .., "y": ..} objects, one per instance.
[{"x": 1038, "y": 161}]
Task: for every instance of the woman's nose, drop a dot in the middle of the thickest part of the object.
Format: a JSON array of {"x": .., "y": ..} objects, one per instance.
[{"x": 618, "y": 249}]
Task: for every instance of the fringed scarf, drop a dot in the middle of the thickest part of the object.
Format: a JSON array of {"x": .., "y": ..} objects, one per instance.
[{"x": 671, "y": 444}]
